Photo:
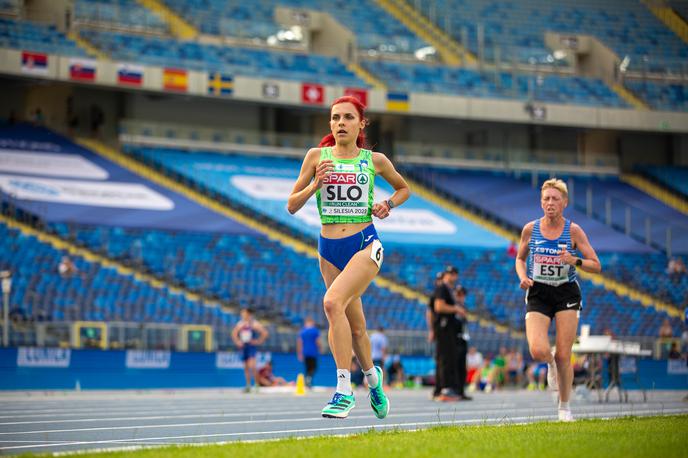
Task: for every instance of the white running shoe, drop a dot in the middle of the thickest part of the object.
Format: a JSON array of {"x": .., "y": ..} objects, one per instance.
[
  {"x": 552, "y": 375},
  {"x": 565, "y": 415}
]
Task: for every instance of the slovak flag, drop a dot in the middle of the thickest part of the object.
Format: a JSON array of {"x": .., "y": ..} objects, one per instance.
[
  {"x": 312, "y": 94},
  {"x": 82, "y": 69},
  {"x": 34, "y": 62},
  {"x": 129, "y": 74}
]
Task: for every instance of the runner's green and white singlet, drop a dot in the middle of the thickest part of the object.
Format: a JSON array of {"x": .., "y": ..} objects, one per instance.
[{"x": 346, "y": 195}]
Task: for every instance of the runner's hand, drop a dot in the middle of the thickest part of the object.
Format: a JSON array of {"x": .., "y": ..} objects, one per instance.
[
  {"x": 526, "y": 283},
  {"x": 381, "y": 210},
  {"x": 322, "y": 170}
]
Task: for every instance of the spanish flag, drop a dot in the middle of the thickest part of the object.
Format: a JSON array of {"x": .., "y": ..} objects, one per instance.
[
  {"x": 174, "y": 79},
  {"x": 219, "y": 84},
  {"x": 397, "y": 101}
]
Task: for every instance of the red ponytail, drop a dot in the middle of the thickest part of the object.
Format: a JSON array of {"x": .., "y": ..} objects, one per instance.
[{"x": 361, "y": 142}]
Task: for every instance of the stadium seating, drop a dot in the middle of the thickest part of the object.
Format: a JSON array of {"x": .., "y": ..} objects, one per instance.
[
  {"x": 514, "y": 202},
  {"x": 674, "y": 178},
  {"x": 373, "y": 27},
  {"x": 123, "y": 13},
  {"x": 252, "y": 271},
  {"x": 621, "y": 202},
  {"x": 472, "y": 83},
  {"x": 648, "y": 273},
  {"x": 234, "y": 61},
  {"x": 628, "y": 28},
  {"x": 661, "y": 96},
  {"x": 95, "y": 293},
  {"x": 31, "y": 36}
]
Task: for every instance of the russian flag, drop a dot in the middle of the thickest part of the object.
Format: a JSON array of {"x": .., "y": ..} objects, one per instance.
[
  {"x": 34, "y": 62},
  {"x": 82, "y": 69},
  {"x": 130, "y": 75}
]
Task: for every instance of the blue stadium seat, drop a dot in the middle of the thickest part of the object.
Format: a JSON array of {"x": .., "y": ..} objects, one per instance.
[{"x": 31, "y": 36}]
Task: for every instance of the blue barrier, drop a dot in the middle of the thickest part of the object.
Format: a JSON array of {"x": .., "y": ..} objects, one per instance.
[{"x": 27, "y": 368}]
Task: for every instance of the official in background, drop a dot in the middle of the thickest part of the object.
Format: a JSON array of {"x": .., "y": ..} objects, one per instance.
[
  {"x": 446, "y": 329},
  {"x": 461, "y": 343}
]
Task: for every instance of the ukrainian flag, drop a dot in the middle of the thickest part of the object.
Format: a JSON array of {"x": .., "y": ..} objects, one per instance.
[
  {"x": 397, "y": 101},
  {"x": 219, "y": 84}
]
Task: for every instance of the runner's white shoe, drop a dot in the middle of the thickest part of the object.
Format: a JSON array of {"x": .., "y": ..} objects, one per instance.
[{"x": 565, "y": 415}]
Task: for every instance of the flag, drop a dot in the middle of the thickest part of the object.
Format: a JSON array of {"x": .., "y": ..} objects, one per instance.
[
  {"x": 33, "y": 62},
  {"x": 175, "y": 80},
  {"x": 219, "y": 84},
  {"x": 397, "y": 101},
  {"x": 82, "y": 69},
  {"x": 313, "y": 94},
  {"x": 360, "y": 94},
  {"x": 130, "y": 75}
]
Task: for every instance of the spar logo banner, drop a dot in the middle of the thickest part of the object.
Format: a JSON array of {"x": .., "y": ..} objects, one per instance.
[
  {"x": 59, "y": 165},
  {"x": 43, "y": 357},
  {"x": 232, "y": 359},
  {"x": 75, "y": 192},
  {"x": 148, "y": 359}
]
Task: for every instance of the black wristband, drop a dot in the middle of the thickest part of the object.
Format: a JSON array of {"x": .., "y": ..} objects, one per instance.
[{"x": 579, "y": 262}]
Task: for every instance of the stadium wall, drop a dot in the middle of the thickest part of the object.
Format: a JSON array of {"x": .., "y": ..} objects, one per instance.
[{"x": 28, "y": 368}]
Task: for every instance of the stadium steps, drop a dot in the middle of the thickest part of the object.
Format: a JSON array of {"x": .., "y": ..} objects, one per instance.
[
  {"x": 670, "y": 19},
  {"x": 656, "y": 191},
  {"x": 83, "y": 43},
  {"x": 91, "y": 256},
  {"x": 445, "y": 45},
  {"x": 310, "y": 251},
  {"x": 619, "y": 288},
  {"x": 629, "y": 97},
  {"x": 366, "y": 76},
  {"x": 175, "y": 23}
]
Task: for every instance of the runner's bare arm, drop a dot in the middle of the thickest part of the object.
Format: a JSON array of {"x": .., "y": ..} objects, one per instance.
[
  {"x": 304, "y": 188},
  {"x": 385, "y": 168},
  {"x": 522, "y": 256}
]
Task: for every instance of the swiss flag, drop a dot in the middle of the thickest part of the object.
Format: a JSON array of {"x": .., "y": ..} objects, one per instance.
[
  {"x": 313, "y": 94},
  {"x": 360, "y": 94}
]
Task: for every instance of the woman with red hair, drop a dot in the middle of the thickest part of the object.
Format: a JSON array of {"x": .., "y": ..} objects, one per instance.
[{"x": 341, "y": 174}]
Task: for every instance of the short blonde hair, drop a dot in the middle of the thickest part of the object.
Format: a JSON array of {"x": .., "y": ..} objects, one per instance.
[{"x": 557, "y": 184}]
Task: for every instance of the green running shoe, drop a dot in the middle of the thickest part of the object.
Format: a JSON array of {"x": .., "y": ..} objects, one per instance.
[
  {"x": 339, "y": 406},
  {"x": 378, "y": 399}
]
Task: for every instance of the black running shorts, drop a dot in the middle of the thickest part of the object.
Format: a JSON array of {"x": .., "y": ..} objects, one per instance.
[{"x": 549, "y": 300}]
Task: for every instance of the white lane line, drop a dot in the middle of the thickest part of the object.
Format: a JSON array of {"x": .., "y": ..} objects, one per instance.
[
  {"x": 251, "y": 414},
  {"x": 314, "y": 417},
  {"x": 501, "y": 420}
]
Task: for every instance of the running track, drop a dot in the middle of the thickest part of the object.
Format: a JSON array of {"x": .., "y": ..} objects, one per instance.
[{"x": 74, "y": 421}]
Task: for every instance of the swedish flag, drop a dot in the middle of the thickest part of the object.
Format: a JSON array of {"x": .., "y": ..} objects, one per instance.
[{"x": 219, "y": 84}]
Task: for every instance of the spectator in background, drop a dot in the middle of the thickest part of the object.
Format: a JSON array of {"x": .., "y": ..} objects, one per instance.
[
  {"x": 676, "y": 269},
  {"x": 512, "y": 250},
  {"x": 247, "y": 335},
  {"x": 431, "y": 321},
  {"x": 474, "y": 362},
  {"x": 267, "y": 378},
  {"x": 514, "y": 367},
  {"x": 37, "y": 117},
  {"x": 665, "y": 331},
  {"x": 308, "y": 349},
  {"x": 461, "y": 343},
  {"x": 67, "y": 268},
  {"x": 378, "y": 347},
  {"x": 97, "y": 120},
  {"x": 396, "y": 372},
  {"x": 674, "y": 351}
]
